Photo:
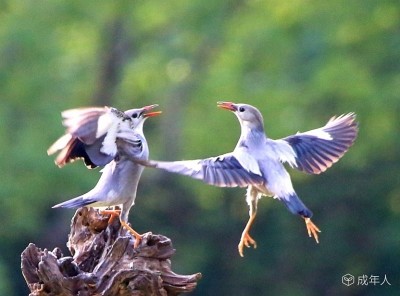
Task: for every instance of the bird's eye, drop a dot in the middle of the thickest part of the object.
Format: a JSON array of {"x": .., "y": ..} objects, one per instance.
[
  {"x": 134, "y": 115},
  {"x": 241, "y": 109}
]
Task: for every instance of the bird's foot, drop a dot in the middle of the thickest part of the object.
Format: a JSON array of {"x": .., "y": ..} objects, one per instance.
[
  {"x": 112, "y": 213},
  {"x": 312, "y": 229},
  {"x": 246, "y": 240},
  {"x": 138, "y": 237},
  {"x": 116, "y": 213}
]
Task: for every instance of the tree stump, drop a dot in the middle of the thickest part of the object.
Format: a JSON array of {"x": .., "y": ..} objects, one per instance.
[{"x": 104, "y": 262}]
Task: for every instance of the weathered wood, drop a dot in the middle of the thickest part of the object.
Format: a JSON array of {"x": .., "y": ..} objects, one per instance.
[{"x": 104, "y": 262}]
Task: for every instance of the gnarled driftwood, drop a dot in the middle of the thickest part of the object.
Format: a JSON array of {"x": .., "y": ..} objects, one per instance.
[{"x": 104, "y": 262}]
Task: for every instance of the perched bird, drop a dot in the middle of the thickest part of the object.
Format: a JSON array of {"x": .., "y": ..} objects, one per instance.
[
  {"x": 106, "y": 137},
  {"x": 257, "y": 162}
]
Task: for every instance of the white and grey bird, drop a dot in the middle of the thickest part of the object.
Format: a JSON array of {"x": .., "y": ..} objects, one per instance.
[
  {"x": 110, "y": 138},
  {"x": 257, "y": 162}
]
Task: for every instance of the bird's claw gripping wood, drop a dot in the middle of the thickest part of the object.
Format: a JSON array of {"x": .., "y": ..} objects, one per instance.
[
  {"x": 246, "y": 240},
  {"x": 112, "y": 213},
  {"x": 312, "y": 229},
  {"x": 116, "y": 213},
  {"x": 137, "y": 236}
]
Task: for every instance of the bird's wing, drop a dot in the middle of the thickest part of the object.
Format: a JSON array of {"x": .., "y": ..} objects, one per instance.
[
  {"x": 89, "y": 124},
  {"x": 317, "y": 150},
  {"x": 132, "y": 144},
  {"x": 90, "y": 134},
  {"x": 70, "y": 151},
  {"x": 222, "y": 171}
]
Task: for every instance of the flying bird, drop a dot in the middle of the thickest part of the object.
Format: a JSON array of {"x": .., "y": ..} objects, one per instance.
[
  {"x": 257, "y": 162},
  {"x": 106, "y": 137}
]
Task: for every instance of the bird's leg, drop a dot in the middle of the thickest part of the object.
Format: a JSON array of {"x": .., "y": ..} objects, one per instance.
[
  {"x": 137, "y": 236},
  {"x": 117, "y": 213},
  {"x": 246, "y": 239},
  {"x": 312, "y": 229},
  {"x": 112, "y": 213}
]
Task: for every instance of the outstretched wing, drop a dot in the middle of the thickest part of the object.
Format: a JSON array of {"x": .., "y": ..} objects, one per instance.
[
  {"x": 222, "y": 171},
  {"x": 90, "y": 135},
  {"x": 317, "y": 150}
]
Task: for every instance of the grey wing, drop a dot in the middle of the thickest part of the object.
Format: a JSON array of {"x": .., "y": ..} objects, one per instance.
[
  {"x": 317, "y": 150},
  {"x": 84, "y": 138},
  {"x": 222, "y": 171},
  {"x": 133, "y": 145},
  {"x": 84, "y": 123}
]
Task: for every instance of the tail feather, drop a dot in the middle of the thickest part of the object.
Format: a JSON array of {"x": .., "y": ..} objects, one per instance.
[
  {"x": 296, "y": 206},
  {"x": 76, "y": 202}
]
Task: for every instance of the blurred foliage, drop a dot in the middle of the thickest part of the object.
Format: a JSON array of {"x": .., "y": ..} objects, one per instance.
[{"x": 298, "y": 61}]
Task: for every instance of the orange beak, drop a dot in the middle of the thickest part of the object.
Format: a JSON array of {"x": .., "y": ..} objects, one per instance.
[
  {"x": 227, "y": 105},
  {"x": 147, "y": 109}
]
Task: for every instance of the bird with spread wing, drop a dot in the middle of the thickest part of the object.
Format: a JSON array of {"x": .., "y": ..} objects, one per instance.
[
  {"x": 257, "y": 162},
  {"x": 110, "y": 138}
]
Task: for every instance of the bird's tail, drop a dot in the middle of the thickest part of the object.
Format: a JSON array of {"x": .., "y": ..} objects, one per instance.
[
  {"x": 296, "y": 206},
  {"x": 76, "y": 202}
]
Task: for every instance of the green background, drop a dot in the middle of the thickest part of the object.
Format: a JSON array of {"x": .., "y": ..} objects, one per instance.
[{"x": 299, "y": 61}]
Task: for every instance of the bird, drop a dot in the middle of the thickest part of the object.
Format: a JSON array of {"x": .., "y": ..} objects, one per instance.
[
  {"x": 105, "y": 136},
  {"x": 257, "y": 162}
]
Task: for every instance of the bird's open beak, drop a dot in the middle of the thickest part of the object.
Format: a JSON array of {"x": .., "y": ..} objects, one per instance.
[
  {"x": 227, "y": 105},
  {"x": 147, "y": 109}
]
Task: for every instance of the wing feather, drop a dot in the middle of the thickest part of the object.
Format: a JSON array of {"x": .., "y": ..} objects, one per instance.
[
  {"x": 90, "y": 135},
  {"x": 317, "y": 150},
  {"x": 222, "y": 171}
]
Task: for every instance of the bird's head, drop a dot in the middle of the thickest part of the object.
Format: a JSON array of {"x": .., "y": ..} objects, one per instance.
[
  {"x": 248, "y": 115},
  {"x": 139, "y": 115}
]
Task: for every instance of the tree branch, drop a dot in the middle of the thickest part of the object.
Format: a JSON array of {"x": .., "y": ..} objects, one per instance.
[{"x": 104, "y": 262}]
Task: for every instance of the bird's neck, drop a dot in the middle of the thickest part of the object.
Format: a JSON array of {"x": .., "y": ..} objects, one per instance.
[{"x": 251, "y": 135}]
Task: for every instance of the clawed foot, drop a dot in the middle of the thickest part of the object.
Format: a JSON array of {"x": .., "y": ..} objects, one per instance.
[
  {"x": 312, "y": 229},
  {"x": 112, "y": 213},
  {"x": 116, "y": 213},
  {"x": 137, "y": 236},
  {"x": 246, "y": 240}
]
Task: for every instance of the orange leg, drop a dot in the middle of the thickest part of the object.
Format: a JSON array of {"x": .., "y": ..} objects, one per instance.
[
  {"x": 252, "y": 196},
  {"x": 112, "y": 213},
  {"x": 312, "y": 229},
  {"x": 137, "y": 236},
  {"x": 116, "y": 213},
  {"x": 246, "y": 239}
]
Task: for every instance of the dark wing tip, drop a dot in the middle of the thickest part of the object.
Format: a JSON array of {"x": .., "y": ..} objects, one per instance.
[{"x": 74, "y": 150}]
